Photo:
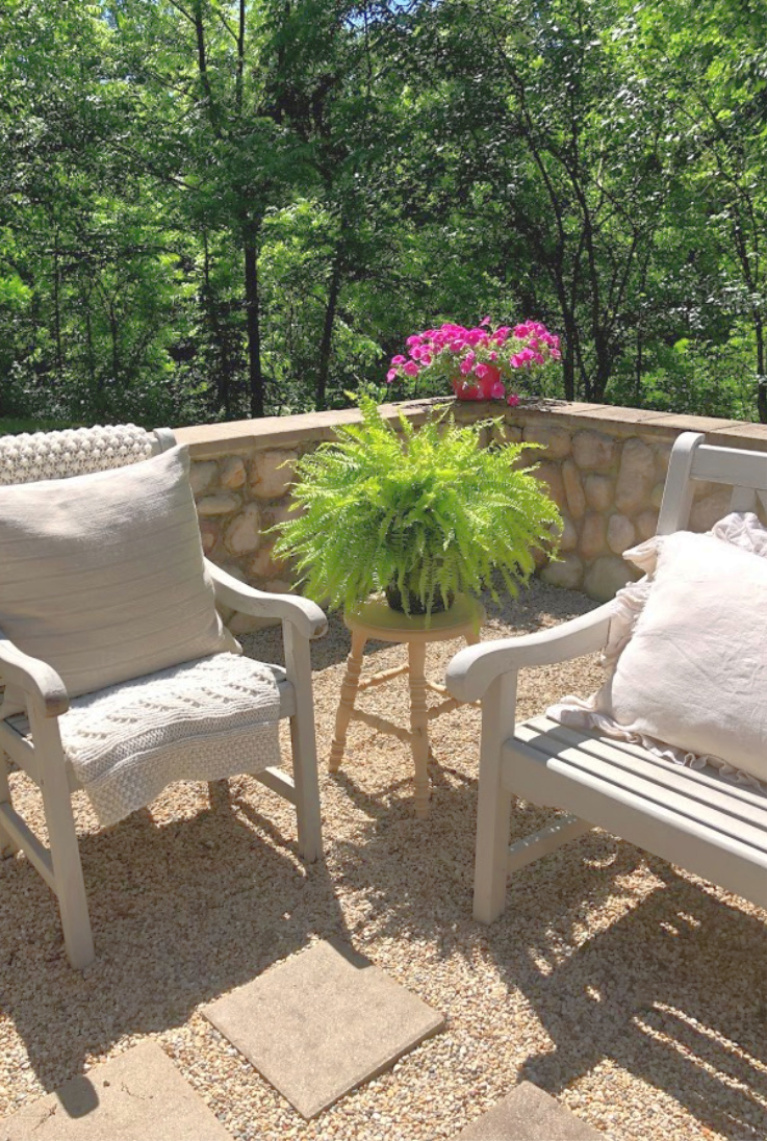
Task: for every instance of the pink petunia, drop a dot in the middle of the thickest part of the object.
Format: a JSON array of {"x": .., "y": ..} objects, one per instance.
[
  {"x": 497, "y": 391},
  {"x": 513, "y": 400},
  {"x": 391, "y": 375},
  {"x": 410, "y": 369},
  {"x": 398, "y": 360},
  {"x": 522, "y": 359},
  {"x": 466, "y": 366}
]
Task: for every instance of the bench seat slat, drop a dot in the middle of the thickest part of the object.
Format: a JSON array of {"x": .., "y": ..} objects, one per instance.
[
  {"x": 722, "y": 852},
  {"x": 599, "y": 762},
  {"x": 706, "y": 786}
]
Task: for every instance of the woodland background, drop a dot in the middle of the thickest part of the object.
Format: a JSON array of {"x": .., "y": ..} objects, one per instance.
[{"x": 214, "y": 209}]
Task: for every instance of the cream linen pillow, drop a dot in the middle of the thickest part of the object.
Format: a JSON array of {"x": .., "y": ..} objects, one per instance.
[
  {"x": 102, "y": 575},
  {"x": 688, "y": 658}
]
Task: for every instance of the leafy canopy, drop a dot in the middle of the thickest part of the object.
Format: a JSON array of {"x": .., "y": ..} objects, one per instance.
[{"x": 428, "y": 510}]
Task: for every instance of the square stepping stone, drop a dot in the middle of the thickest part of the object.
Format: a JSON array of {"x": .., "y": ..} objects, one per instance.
[
  {"x": 322, "y": 1023},
  {"x": 529, "y": 1114},
  {"x": 137, "y": 1096}
]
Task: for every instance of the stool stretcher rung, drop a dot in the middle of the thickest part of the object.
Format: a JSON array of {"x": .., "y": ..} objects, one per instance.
[
  {"x": 436, "y": 686},
  {"x": 443, "y": 707},
  {"x": 384, "y": 675},
  {"x": 381, "y": 724}
]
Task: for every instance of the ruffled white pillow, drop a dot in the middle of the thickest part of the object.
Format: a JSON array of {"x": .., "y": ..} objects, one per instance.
[{"x": 687, "y": 652}]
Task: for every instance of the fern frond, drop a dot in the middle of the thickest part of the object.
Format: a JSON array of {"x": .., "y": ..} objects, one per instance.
[{"x": 429, "y": 510}]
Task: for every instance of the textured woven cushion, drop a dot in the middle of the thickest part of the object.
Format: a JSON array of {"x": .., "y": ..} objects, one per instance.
[
  {"x": 203, "y": 720},
  {"x": 102, "y": 575},
  {"x": 687, "y": 657},
  {"x": 29, "y": 457}
]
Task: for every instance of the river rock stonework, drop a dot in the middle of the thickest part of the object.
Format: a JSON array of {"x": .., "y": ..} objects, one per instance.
[{"x": 604, "y": 466}]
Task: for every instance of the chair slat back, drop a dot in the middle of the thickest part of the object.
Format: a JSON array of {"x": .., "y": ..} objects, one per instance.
[
  {"x": 35, "y": 456},
  {"x": 693, "y": 461}
]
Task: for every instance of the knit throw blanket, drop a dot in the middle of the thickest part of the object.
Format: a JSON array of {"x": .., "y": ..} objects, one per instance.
[{"x": 203, "y": 720}]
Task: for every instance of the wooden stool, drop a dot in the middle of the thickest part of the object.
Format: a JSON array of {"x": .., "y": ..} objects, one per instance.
[{"x": 378, "y": 621}]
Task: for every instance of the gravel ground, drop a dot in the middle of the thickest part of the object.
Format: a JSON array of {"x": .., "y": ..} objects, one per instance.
[{"x": 630, "y": 990}]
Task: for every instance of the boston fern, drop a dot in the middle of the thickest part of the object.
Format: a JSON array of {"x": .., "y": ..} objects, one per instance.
[{"x": 427, "y": 511}]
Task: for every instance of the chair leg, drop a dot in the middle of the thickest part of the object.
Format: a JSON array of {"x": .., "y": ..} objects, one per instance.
[
  {"x": 69, "y": 884},
  {"x": 7, "y": 846},
  {"x": 494, "y": 807},
  {"x": 304, "y": 745}
]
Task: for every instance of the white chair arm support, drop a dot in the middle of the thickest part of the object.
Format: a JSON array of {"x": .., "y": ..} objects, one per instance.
[
  {"x": 306, "y": 616},
  {"x": 35, "y": 678},
  {"x": 474, "y": 669}
]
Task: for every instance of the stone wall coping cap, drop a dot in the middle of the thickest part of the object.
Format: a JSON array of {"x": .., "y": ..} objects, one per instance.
[
  {"x": 739, "y": 434},
  {"x": 214, "y": 440},
  {"x": 206, "y": 440}
]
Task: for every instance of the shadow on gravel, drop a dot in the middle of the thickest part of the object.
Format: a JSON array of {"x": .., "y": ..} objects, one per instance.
[
  {"x": 669, "y": 986},
  {"x": 181, "y": 913}
]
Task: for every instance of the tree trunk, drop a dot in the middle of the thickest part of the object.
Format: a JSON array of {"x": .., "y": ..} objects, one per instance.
[
  {"x": 571, "y": 333},
  {"x": 113, "y": 333},
  {"x": 210, "y": 308},
  {"x": 255, "y": 376},
  {"x": 761, "y": 379},
  {"x": 603, "y": 368},
  {"x": 569, "y": 354},
  {"x": 327, "y": 334},
  {"x": 90, "y": 350},
  {"x": 57, "y": 310}
]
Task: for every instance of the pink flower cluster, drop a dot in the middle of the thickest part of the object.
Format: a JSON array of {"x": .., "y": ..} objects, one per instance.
[{"x": 478, "y": 362}]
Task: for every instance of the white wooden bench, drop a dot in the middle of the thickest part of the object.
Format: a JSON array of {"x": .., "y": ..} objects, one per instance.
[{"x": 696, "y": 819}]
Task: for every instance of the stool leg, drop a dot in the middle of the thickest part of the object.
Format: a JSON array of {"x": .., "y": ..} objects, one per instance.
[
  {"x": 419, "y": 725},
  {"x": 348, "y": 697}
]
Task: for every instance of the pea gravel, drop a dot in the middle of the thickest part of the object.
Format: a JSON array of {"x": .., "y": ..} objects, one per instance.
[{"x": 632, "y": 991}]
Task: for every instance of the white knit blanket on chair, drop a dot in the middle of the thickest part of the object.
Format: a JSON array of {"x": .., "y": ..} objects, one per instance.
[{"x": 203, "y": 720}]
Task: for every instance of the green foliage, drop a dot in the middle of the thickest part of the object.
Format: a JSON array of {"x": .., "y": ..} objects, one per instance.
[
  {"x": 210, "y": 210},
  {"x": 429, "y": 510}
]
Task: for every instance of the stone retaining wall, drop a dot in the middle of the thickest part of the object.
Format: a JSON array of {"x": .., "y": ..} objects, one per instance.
[{"x": 604, "y": 466}]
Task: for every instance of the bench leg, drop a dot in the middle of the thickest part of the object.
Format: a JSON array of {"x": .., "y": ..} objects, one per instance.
[
  {"x": 494, "y": 807},
  {"x": 7, "y": 845}
]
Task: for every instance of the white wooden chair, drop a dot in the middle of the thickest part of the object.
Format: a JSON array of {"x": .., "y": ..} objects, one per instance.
[
  {"x": 695, "y": 819},
  {"x": 31, "y": 739}
]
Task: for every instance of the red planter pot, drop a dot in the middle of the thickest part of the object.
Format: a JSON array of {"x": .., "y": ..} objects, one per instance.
[{"x": 476, "y": 389}]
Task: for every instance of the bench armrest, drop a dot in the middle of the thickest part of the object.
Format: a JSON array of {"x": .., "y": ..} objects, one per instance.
[
  {"x": 307, "y": 617},
  {"x": 474, "y": 669},
  {"x": 36, "y": 679}
]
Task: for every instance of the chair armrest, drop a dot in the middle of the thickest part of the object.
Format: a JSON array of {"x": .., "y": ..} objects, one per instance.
[
  {"x": 308, "y": 619},
  {"x": 36, "y": 679},
  {"x": 473, "y": 670}
]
